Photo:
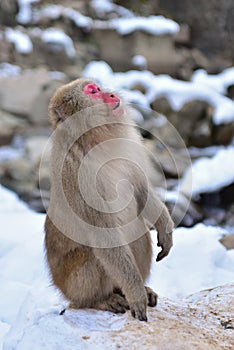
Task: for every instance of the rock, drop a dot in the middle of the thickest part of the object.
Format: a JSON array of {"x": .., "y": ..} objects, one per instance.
[
  {"x": 230, "y": 91},
  {"x": 209, "y": 32},
  {"x": 162, "y": 105},
  {"x": 18, "y": 176},
  {"x": 52, "y": 55},
  {"x": 184, "y": 212},
  {"x": 202, "y": 321},
  {"x": 169, "y": 161},
  {"x": 228, "y": 241},
  {"x": 192, "y": 116},
  {"x": 6, "y": 50},
  {"x": 201, "y": 136},
  {"x": 223, "y": 134},
  {"x": 27, "y": 175},
  {"x": 8, "y": 11},
  {"x": 34, "y": 147},
  {"x": 20, "y": 95},
  {"x": 188, "y": 116},
  {"x": 9, "y": 125},
  {"x": 159, "y": 51},
  {"x": 39, "y": 110}
]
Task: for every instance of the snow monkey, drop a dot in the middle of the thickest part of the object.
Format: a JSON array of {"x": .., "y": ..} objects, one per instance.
[{"x": 97, "y": 241}]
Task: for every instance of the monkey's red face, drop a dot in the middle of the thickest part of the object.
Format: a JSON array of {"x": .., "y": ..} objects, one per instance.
[{"x": 94, "y": 92}]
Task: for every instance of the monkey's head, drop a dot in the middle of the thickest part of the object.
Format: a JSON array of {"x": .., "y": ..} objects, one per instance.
[{"x": 78, "y": 95}]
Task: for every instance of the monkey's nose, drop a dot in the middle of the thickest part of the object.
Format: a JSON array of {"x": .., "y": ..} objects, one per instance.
[{"x": 112, "y": 100}]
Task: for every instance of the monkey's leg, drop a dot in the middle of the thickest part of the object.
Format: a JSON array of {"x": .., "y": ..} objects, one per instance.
[
  {"x": 119, "y": 264},
  {"x": 92, "y": 288},
  {"x": 152, "y": 297},
  {"x": 115, "y": 303},
  {"x": 86, "y": 285}
]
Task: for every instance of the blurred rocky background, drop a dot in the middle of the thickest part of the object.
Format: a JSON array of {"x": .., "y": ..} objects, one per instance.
[{"x": 44, "y": 44}]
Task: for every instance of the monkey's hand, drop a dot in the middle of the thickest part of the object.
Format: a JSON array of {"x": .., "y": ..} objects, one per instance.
[
  {"x": 138, "y": 308},
  {"x": 164, "y": 226},
  {"x": 165, "y": 242}
]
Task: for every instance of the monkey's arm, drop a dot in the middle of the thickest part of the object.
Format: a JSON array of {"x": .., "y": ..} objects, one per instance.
[
  {"x": 164, "y": 226},
  {"x": 156, "y": 214},
  {"x": 119, "y": 264}
]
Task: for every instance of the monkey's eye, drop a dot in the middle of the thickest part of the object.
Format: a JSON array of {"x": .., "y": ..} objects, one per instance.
[{"x": 92, "y": 89}]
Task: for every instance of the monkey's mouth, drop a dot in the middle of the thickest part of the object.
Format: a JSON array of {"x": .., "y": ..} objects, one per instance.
[{"x": 116, "y": 106}]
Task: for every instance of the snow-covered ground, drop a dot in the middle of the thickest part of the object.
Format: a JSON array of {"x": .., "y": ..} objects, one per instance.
[{"x": 29, "y": 305}]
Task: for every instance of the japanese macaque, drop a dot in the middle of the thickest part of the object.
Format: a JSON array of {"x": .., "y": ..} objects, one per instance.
[{"x": 97, "y": 241}]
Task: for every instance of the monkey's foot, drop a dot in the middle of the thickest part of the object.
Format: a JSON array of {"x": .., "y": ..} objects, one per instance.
[
  {"x": 152, "y": 297},
  {"x": 114, "y": 303}
]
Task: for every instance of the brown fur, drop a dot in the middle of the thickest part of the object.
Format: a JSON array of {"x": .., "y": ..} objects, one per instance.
[{"x": 104, "y": 278}]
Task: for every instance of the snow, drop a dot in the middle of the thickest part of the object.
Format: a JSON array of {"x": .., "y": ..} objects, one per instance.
[
  {"x": 177, "y": 92},
  {"x": 210, "y": 174},
  {"x": 155, "y": 25},
  {"x": 7, "y": 69},
  {"x": 219, "y": 82},
  {"x": 30, "y": 307},
  {"x": 103, "y": 7},
  {"x": 21, "y": 40},
  {"x": 57, "y": 36},
  {"x": 56, "y": 11},
  {"x": 25, "y": 12},
  {"x": 139, "y": 61},
  {"x": 79, "y": 20}
]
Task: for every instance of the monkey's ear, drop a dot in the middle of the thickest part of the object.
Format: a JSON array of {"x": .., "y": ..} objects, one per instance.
[{"x": 56, "y": 115}]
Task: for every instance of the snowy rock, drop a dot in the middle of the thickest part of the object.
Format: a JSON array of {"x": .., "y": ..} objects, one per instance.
[
  {"x": 178, "y": 93},
  {"x": 55, "y": 36},
  {"x": 26, "y": 175},
  {"x": 21, "y": 40},
  {"x": 9, "y": 125},
  {"x": 210, "y": 35},
  {"x": 24, "y": 15},
  {"x": 203, "y": 321},
  {"x": 30, "y": 307},
  {"x": 155, "y": 25},
  {"x": 160, "y": 54},
  {"x": 21, "y": 95},
  {"x": 187, "y": 120},
  {"x": 210, "y": 174}
]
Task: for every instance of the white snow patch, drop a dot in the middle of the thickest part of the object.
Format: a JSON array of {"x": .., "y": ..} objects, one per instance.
[
  {"x": 103, "y": 7},
  {"x": 139, "y": 61},
  {"x": 57, "y": 36},
  {"x": 155, "y": 25},
  {"x": 79, "y": 19},
  {"x": 21, "y": 40},
  {"x": 219, "y": 82},
  {"x": 24, "y": 15},
  {"x": 56, "y": 11},
  {"x": 9, "y": 153},
  {"x": 210, "y": 174},
  {"x": 197, "y": 261},
  {"x": 7, "y": 70},
  {"x": 177, "y": 92}
]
